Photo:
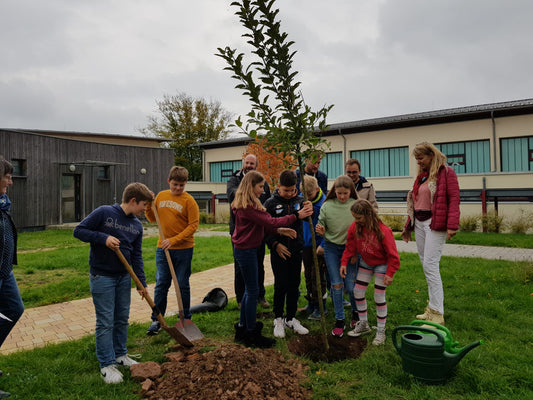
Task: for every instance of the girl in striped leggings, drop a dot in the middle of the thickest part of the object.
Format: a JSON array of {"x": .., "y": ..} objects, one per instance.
[{"x": 374, "y": 242}]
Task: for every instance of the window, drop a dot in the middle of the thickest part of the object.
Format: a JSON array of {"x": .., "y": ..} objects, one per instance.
[
  {"x": 20, "y": 167},
  {"x": 517, "y": 154},
  {"x": 222, "y": 171},
  {"x": 103, "y": 172},
  {"x": 383, "y": 162},
  {"x": 467, "y": 157},
  {"x": 332, "y": 165}
]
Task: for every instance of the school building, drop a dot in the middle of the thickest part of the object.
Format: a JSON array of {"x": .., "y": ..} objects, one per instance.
[{"x": 490, "y": 146}]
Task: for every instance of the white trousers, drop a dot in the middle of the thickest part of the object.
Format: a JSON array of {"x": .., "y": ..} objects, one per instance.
[{"x": 429, "y": 244}]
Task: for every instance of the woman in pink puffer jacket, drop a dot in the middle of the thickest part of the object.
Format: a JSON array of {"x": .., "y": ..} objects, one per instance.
[{"x": 433, "y": 209}]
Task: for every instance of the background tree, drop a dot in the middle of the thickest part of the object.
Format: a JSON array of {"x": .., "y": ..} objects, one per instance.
[
  {"x": 187, "y": 122},
  {"x": 288, "y": 124},
  {"x": 270, "y": 163}
]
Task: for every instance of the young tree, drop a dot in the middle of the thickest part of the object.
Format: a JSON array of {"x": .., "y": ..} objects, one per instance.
[
  {"x": 288, "y": 124},
  {"x": 186, "y": 122}
]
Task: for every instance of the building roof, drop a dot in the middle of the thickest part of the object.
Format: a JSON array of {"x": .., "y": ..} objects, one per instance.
[
  {"x": 95, "y": 137},
  {"x": 469, "y": 113}
]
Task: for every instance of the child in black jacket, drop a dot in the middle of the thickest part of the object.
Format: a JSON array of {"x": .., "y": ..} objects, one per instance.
[{"x": 286, "y": 255}]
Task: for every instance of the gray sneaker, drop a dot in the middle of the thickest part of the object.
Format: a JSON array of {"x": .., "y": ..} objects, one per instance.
[
  {"x": 361, "y": 327},
  {"x": 154, "y": 328},
  {"x": 380, "y": 338}
]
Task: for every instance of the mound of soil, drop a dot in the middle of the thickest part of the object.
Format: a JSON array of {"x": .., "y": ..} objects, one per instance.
[
  {"x": 227, "y": 372},
  {"x": 223, "y": 371}
]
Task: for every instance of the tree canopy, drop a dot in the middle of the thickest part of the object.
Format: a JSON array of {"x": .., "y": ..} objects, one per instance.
[{"x": 187, "y": 122}]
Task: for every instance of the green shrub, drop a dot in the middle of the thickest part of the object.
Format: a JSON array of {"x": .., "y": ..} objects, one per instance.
[
  {"x": 522, "y": 223},
  {"x": 395, "y": 222},
  {"x": 206, "y": 218},
  {"x": 469, "y": 223},
  {"x": 492, "y": 221}
]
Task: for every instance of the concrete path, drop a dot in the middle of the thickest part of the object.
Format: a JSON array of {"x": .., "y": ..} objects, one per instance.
[{"x": 56, "y": 323}]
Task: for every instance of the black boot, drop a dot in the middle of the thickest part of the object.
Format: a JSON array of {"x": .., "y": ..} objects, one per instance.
[
  {"x": 256, "y": 339},
  {"x": 240, "y": 333}
]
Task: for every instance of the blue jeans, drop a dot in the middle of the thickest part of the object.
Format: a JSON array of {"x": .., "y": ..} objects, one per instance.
[
  {"x": 247, "y": 259},
  {"x": 111, "y": 299},
  {"x": 181, "y": 260},
  {"x": 10, "y": 305},
  {"x": 332, "y": 255}
]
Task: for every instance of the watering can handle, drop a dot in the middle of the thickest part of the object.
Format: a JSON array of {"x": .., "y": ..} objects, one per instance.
[{"x": 439, "y": 335}]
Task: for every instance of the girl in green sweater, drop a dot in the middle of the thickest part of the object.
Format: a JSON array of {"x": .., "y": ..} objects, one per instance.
[{"x": 333, "y": 223}]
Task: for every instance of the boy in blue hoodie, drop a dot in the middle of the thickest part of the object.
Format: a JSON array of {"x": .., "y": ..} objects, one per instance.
[
  {"x": 107, "y": 229},
  {"x": 316, "y": 197}
]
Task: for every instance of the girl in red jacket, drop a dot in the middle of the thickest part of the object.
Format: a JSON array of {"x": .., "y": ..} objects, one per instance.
[
  {"x": 251, "y": 224},
  {"x": 374, "y": 241},
  {"x": 433, "y": 209}
]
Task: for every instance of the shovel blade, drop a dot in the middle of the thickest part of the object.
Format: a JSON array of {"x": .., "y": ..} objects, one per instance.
[
  {"x": 178, "y": 336},
  {"x": 188, "y": 329}
]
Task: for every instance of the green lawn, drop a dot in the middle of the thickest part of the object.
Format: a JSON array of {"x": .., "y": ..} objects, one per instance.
[
  {"x": 485, "y": 300},
  {"x": 489, "y": 239}
]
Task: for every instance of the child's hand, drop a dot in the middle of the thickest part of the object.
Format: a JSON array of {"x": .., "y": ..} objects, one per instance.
[
  {"x": 342, "y": 271},
  {"x": 142, "y": 292},
  {"x": 287, "y": 232},
  {"x": 387, "y": 280},
  {"x": 283, "y": 251},
  {"x": 406, "y": 236},
  {"x": 165, "y": 244},
  {"x": 306, "y": 211},
  {"x": 319, "y": 251},
  {"x": 319, "y": 229},
  {"x": 112, "y": 242}
]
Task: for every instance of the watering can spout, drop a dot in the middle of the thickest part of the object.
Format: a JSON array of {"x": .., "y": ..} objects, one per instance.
[{"x": 453, "y": 359}]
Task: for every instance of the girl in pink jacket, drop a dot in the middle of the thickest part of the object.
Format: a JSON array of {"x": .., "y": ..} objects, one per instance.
[
  {"x": 374, "y": 241},
  {"x": 433, "y": 208}
]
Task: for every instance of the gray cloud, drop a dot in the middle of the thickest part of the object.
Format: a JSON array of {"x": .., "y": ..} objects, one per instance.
[{"x": 100, "y": 66}]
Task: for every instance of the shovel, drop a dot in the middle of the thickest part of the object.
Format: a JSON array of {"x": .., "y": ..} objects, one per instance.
[
  {"x": 185, "y": 326},
  {"x": 172, "y": 331}
]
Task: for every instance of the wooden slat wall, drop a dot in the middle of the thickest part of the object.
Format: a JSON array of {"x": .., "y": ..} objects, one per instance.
[{"x": 36, "y": 198}]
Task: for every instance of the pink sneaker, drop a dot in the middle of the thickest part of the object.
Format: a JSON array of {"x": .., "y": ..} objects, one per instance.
[{"x": 338, "y": 330}]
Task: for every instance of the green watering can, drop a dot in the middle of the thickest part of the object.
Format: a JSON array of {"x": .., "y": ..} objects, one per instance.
[{"x": 429, "y": 354}]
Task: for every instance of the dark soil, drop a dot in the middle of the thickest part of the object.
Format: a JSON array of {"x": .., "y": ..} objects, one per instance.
[{"x": 214, "y": 370}]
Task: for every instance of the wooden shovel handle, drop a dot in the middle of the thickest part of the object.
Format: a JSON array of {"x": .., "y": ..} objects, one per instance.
[
  {"x": 170, "y": 267},
  {"x": 140, "y": 286}
]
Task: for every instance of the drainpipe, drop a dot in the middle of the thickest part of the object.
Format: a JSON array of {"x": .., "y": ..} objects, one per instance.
[
  {"x": 493, "y": 169},
  {"x": 343, "y": 149}
]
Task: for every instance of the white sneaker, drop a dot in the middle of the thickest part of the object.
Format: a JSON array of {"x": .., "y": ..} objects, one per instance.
[
  {"x": 361, "y": 327},
  {"x": 279, "y": 329},
  {"x": 126, "y": 361},
  {"x": 111, "y": 374},
  {"x": 296, "y": 326},
  {"x": 380, "y": 338}
]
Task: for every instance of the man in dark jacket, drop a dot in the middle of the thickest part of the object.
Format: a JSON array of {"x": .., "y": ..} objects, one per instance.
[
  {"x": 311, "y": 168},
  {"x": 11, "y": 306},
  {"x": 249, "y": 163}
]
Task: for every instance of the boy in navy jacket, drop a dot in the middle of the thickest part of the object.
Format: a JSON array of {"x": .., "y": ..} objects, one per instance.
[
  {"x": 107, "y": 229},
  {"x": 286, "y": 255}
]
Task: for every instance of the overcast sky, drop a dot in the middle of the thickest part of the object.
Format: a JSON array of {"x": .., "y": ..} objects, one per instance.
[{"x": 100, "y": 65}]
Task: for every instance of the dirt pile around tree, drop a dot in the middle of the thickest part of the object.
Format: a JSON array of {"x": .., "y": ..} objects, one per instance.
[{"x": 222, "y": 371}]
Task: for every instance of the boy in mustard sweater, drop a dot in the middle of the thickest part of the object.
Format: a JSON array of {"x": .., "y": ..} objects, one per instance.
[{"x": 179, "y": 217}]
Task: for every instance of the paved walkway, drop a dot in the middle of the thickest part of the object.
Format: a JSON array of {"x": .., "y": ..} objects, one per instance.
[{"x": 56, "y": 323}]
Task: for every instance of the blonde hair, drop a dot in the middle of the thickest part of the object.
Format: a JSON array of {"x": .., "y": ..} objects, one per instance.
[
  {"x": 245, "y": 196},
  {"x": 310, "y": 185},
  {"x": 437, "y": 161},
  {"x": 364, "y": 208},
  {"x": 342, "y": 181}
]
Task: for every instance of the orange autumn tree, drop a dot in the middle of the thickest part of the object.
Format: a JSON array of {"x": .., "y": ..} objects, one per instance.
[{"x": 270, "y": 163}]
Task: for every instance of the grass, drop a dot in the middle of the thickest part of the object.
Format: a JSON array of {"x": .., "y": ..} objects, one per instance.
[
  {"x": 516, "y": 240},
  {"x": 485, "y": 300},
  {"x": 57, "y": 274}
]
